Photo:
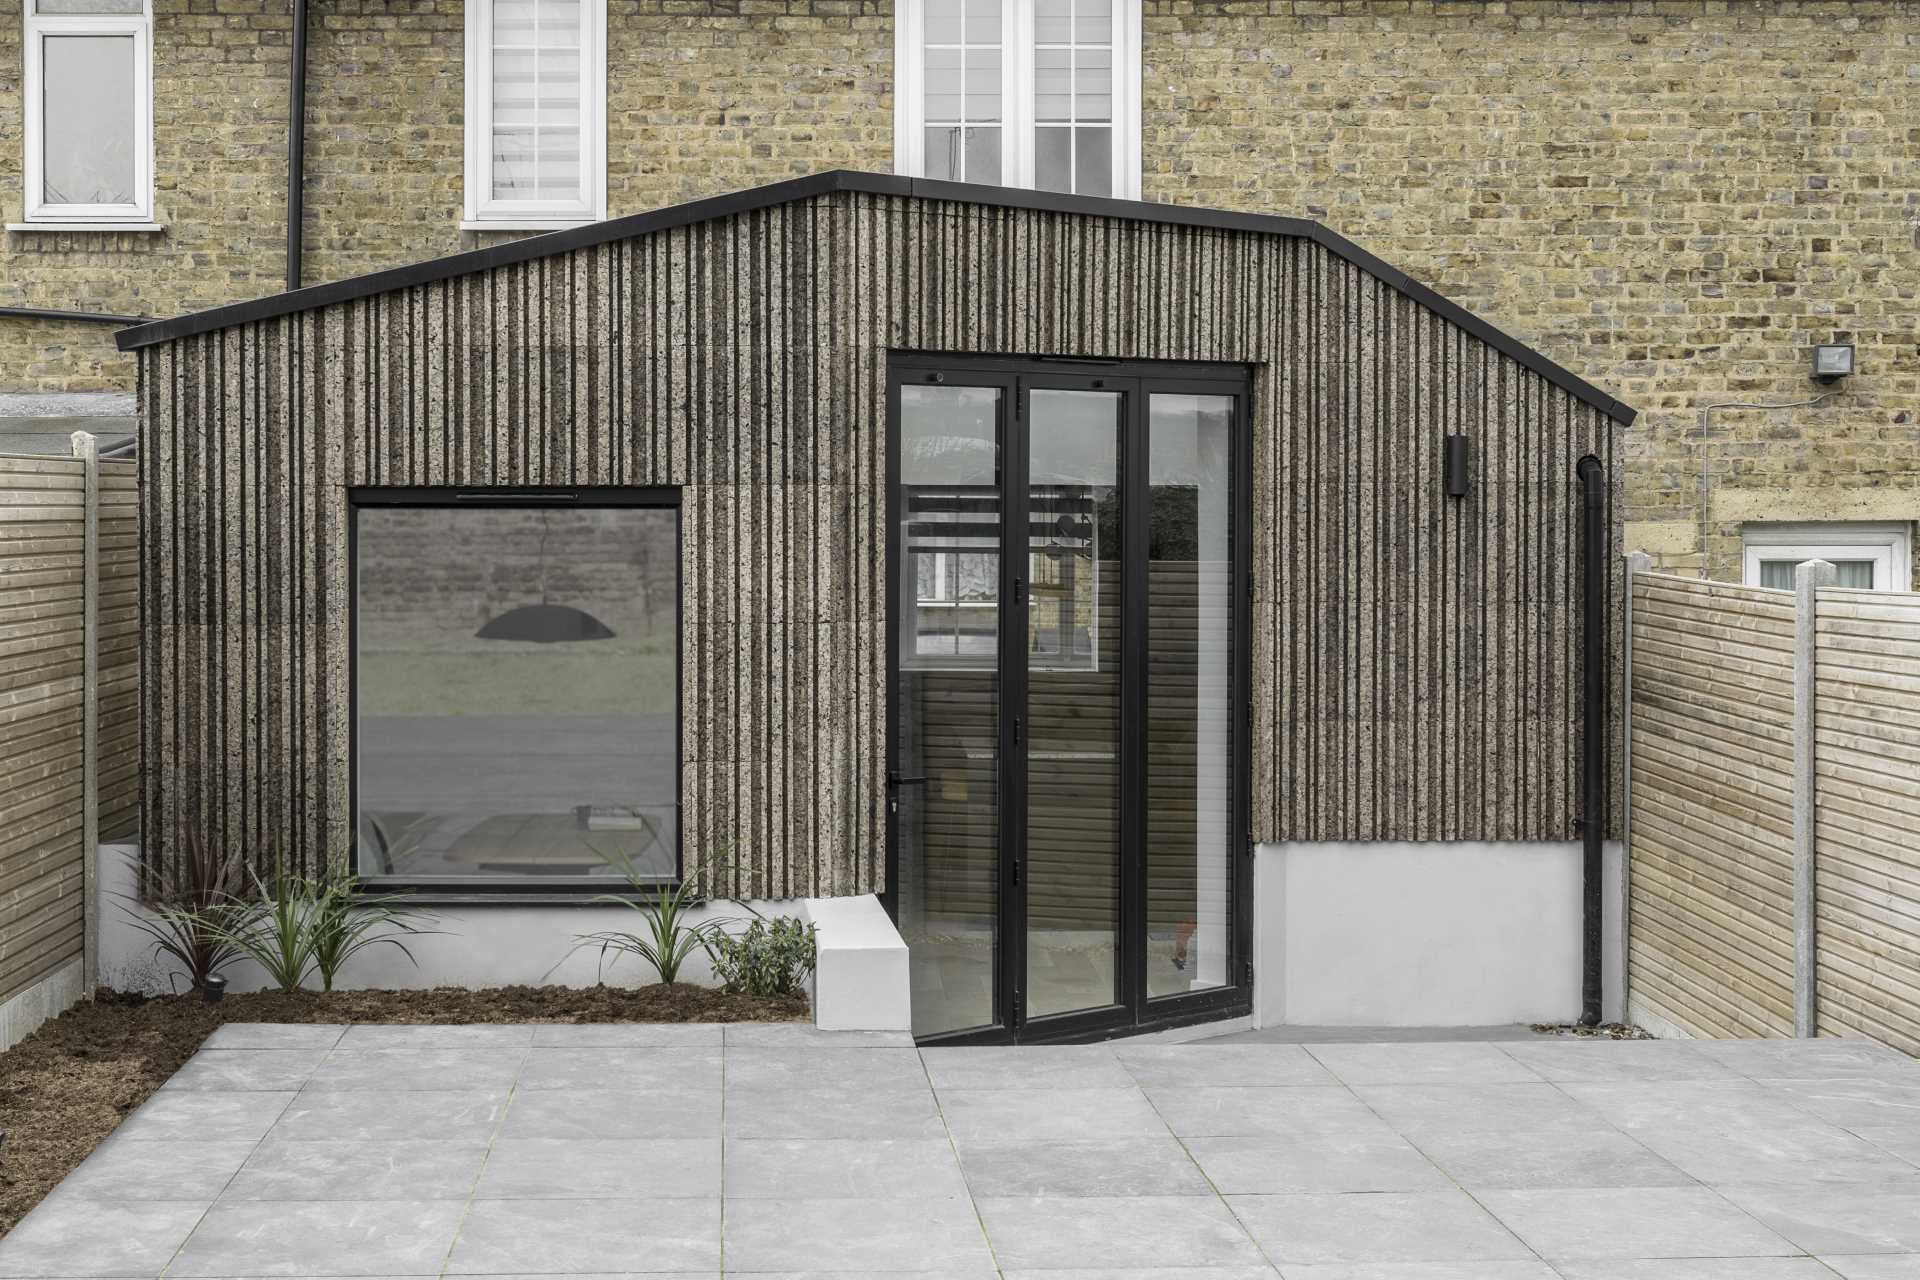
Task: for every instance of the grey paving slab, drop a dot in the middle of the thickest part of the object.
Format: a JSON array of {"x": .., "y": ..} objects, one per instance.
[
  {"x": 842, "y": 1168},
  {"x": 388, "y": 1070},
  {"x": 1886, "y": 1266},
  {"x": 1855, "y": 1103},
  {"x": 1899, "y": 1140},
  {"x": 1204, "y": 1063},
  {"x": 473, "y": 1036},
  {"x": 1026, "y": 1067},
  {"x": 1131, "y": 1167},
  {"x": 1695, "y": 1269},
  {"x": 1808, "y": 1059},
  {"x": 832, "y": 1113},
  {"x": 1413, "y": 1226},
  {"x": 1125, "y": 1231},
  {"x": 403, "y": 1115},
  {"x": 1307, "y": 1034},
  {"x": 1836, "y": 1219},
  {"x": 854, "y": 1235},
  {"x": 274, "y": 1070},
  {"x": 1790, "y": 1152},
  {"x": 1474, "y": 1108},
  {"x": 601, "y": 1168},
  {"x": 1633, "y": 1222},
  {"x": 1548, "y": 1157},
  {"x": 1206, "y": 1112},
  {"x": 72, "y": 1236},
  {"x": 602, "y": 1067},
  {"x": 1510, "y": 1270},
  {"x": 1421, "y": 1063},
  {"x": 1619, "y": 1061},
  {"x": 273, "y": 1035},
  {"x": 1061, "y": 1115},
  {"x": 678, "y": 1112},
  {"x": 1238, "y": 1164},
  {"x": 431, "y": 1169},
  {"x": 1261, "y": 1272},
  {"x": 785, "y": 1034},
  {"x": 193, "y": 1115},
  {"x": 121, "y": 1170},
  {"x": 629, "y": 1035},
  {"x": 821, "y": 1066},
  {"x": 320, "y": 1238},
  {"x": 569, "y": 1236}
]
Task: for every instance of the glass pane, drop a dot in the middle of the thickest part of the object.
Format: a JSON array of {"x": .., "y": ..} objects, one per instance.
[
  {"x": 983, "y": 155},
  {"x": 941, "y": 22},
  {"x": 1053, "y": 159},
  {"x": 1052, "y": 84},
  {"x": 1778, "y": 574},
  {"x": 1189, "y": 687},
  {"x": 1093, "y": 21},
  {"x": 1053, "y": 21},
  {"x": 516, "y": 689},
  {"x": 59, "y": 8},
  {"x": 1073, "y": 700},
  {"x": 1092, "y": 85},
  {"x": 1854, "y": 573},
  {"x": 537, "y": 81},
  {"x": 90, "y": 145},
  {"x": 559, "y": 91},
  {"x": 515, "y": 86},
  {"x": 983, "y": 85},
  {"x": 515, "y": 173},
  {"x": 945, "y": 80},
  {"x": 1093, "y": 162},
  {"x": 942, "y": 158},
  {"x": 947, "y": 702},
  {"x": 983, "y": 22}
]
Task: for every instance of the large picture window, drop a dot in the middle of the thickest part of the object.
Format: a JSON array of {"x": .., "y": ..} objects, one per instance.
[
  {"x": 516, "y": 687},
  {"x": 536, "y": 113},
  {"x": 1020, "y": 93},
  {"x": 89, "y": 108}
]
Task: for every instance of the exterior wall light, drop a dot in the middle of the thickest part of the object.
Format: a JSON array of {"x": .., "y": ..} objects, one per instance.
[
  {"x": 1832, "y": 362},
  {"x": 1458, "y": 465}
]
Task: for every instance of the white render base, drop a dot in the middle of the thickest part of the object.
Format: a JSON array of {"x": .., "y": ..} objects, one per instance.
[
  {"x": 1425, "y": 935},
  {"x": 48, "y": 998},
  {"x": 860, "y": 982}
]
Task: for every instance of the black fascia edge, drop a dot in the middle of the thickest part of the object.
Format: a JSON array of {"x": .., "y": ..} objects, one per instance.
[{"x": 850, "y": 180}]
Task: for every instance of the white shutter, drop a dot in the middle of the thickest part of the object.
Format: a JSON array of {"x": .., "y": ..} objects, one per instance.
[{"x": 537, "y": 126}]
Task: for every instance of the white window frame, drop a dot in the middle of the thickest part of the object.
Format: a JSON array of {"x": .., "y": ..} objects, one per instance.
[
  {"x": 483, "y": 212},
  {"x": 1888, "y": 546},
  {"x": 1016, "y": 92},
  {"x": 40, "y": 213}
]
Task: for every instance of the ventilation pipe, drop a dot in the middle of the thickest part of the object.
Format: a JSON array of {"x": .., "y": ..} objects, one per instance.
[
  {"x": 1595, "y": 540},
  {"x": 296, "y": 142}
]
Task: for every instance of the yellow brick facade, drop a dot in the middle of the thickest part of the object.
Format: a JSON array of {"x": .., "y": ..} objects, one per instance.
[{"x": 1673, "y": 199}]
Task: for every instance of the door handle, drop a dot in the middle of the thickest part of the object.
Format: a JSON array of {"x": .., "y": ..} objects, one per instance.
[{"x": 894, "y": 780}]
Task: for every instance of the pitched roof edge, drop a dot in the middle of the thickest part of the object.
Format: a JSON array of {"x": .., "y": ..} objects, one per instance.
[{"x": 836, "y": 180}]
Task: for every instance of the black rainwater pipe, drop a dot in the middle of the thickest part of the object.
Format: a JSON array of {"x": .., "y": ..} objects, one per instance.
[
  {"x": 1595, "y": 540},
  {"x": 296, "y": 143}
]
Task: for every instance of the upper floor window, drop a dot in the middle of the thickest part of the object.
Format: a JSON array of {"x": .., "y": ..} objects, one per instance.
[
  {"x": 536, "y": 112},
  {"x": 89, "y": 111},
  {"x": 1020, "y": 93},
  {"x": 1870, "y": 557}
]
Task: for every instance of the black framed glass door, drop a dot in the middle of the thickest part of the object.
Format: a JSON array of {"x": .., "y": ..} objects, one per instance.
[{"x": 1067, "y": 764}]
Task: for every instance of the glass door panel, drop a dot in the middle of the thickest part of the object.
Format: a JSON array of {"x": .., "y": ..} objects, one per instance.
[
  {"x": 944, "y": 785},
  {"x": 1190, "y": 716},
  {"x": 1071, "y": 877}
]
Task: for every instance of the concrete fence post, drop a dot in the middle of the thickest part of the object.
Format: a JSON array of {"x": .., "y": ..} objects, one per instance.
[
  {"x": 86, "y": 449},
  {"x": 1638, "y": 562},
  {"x": 1808, "y": 578}
]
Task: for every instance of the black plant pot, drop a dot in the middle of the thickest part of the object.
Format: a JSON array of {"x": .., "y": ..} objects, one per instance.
[{"x": 213, "y": 988}]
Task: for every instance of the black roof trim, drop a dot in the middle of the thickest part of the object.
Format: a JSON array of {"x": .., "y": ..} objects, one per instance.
[{"x": 557, "y": 242}]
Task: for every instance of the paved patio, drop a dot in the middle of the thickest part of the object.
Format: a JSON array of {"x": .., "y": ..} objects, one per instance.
[{"x": 697, "y": 1151}]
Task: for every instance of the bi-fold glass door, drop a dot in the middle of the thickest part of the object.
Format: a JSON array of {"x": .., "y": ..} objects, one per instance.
[{"x": 1066, "y": 785}]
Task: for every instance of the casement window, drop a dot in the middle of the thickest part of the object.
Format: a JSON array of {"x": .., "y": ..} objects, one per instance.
[
  {"x": 1870, "y": 557},
  {"x": 89, "y": 112},
  {"x": 536, "y": 113},
  {"x": 1020, "y": 93},
  {"x": 516, "y": 687}
]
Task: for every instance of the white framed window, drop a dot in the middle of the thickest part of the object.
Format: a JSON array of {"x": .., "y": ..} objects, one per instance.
[
  {"x": 89, "y": 112},
  {"x": 1871, "y": 557},
  {"x": 1020, "y": 93},
  {"x": 536, "y": 113}
]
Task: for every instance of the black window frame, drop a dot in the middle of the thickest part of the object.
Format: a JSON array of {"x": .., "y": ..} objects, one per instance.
[{"x": 544, "y": 890}]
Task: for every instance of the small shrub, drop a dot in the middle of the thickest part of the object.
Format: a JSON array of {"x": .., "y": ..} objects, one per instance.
[
  {"x": 667, "y": 938},
  {"x": 279, "y": 935},
  {"x": 345, "y": 923},
  {"x": 769, "y": 958},
  {"x": 195, "y": 907}
]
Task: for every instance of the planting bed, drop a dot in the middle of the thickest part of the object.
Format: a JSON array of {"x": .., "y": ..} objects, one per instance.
[{"x": 67, "y": 1086}]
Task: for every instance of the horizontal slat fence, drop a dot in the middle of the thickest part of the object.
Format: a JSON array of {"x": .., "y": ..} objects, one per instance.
[{"x": 1714, "y": 720}]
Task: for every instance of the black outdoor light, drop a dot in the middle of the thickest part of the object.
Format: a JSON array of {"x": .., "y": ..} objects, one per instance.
[
  {"x": 1459, "y": 459},
  {"x": 1832, "y": 361}
]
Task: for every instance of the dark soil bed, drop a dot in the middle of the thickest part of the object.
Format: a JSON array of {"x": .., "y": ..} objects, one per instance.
[{"x": 65, "y": 1087}]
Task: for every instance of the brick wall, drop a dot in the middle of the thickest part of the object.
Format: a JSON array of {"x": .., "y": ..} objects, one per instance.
[{"x": 1674, "y": 199}]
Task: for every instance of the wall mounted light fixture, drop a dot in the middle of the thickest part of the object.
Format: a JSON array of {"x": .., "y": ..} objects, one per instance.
[
  {"x": 1832, "y": 361},
  {"x": 1459, "y": 463}
]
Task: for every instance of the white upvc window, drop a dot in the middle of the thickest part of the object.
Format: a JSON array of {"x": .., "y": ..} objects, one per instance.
[
  {"x": 1871, "y": 557},
  {"x": 89, "y": 112},
  {"x": 536, "y": 113},
  {"x": 1020, "y": 93}
]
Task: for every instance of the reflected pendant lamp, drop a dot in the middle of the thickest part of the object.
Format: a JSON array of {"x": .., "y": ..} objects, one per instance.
[{"x": 546, "y": 622}]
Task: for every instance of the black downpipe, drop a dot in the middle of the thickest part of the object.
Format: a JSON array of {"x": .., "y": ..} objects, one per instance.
[
  {"x": 297, "y": 143},
  {"x": 1595, "y": 539}
]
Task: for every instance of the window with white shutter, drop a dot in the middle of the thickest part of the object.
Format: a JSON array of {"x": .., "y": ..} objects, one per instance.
[
  {"x": 536, "y": 113},
  {"x": 88, "y": 103}
]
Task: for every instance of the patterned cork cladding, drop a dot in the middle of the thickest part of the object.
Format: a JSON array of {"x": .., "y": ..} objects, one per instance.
[{"x": 1416, "y": 668}]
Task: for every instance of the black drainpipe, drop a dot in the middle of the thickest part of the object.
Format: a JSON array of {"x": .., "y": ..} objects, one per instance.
[
  {"x": 1595, "y": 537},
  {"x": 297, "y": 143}
]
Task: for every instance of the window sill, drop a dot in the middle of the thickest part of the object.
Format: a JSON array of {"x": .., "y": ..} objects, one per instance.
[
  {"x": 525, "y": 224},
  {"x": 114, "y": 227}
]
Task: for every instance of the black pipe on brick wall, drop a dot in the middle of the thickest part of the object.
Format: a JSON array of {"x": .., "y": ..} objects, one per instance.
[
  {"x": 1595, "y": 537},
  {"x": 296, "y": 143}
]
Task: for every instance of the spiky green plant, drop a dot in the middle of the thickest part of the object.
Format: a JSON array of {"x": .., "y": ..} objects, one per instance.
[
  {"x": 347, "y": 922},
  {"x": 194, "y": 907},
  {"x": 279, "y": 936},
  {"x": 667, "y": 936}
]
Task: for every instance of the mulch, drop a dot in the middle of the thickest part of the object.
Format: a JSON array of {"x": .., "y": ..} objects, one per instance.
[{"x": 69, "y": 1084}]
